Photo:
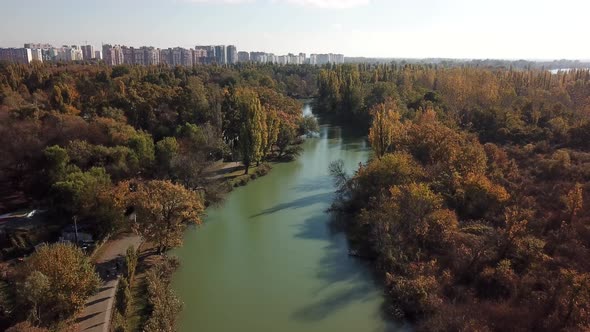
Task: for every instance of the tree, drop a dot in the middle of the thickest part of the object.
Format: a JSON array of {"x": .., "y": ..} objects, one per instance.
[
  {"x": 574, "y": 201},
  {"x": 34, "y": 291},
  {"x": 78, "y": 192},
  {"x": 143, "y": 146},
  {"x": 57, "y": 160},
  {"x": 309, "y": 125},
  {"x": 166, "y": 150},
  {"x": 252, "y": 128},
  {"x": 164, "y": 305},
  {"x": 285, "y": 138},
  {"x": 68, "y": 275},
  {"x": 123, "y": 297},
  {"x": 385, "y": 127},
  {"x": 273, "y": 125},
  {"x": 131, "y": 262},
  {"x": 164, "y": 209}
]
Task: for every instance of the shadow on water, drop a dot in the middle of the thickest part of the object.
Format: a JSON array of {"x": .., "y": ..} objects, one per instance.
[
  {"x": 314, "y": 184},
  {"x": 337, "y": 267},
  {"x": 298, "y": 203}
]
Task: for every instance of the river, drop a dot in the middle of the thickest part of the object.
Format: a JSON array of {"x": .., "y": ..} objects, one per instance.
[{"x": 266, "y": 259}]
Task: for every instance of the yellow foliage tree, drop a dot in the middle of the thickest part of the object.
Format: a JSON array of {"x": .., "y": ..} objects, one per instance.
[
  {"x": 385, "y": 127},
  {"x": 164, "y": 209},
  {"x": 70, "y": 275}
]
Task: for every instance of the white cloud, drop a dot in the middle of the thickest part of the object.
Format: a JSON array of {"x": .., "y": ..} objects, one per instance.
[{"x": 330, "y": 4}]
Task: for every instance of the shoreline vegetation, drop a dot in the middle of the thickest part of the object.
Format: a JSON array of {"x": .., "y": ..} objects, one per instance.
[
  {"x": 474, "y": 208},
  {"x": 129, "y": 148}
]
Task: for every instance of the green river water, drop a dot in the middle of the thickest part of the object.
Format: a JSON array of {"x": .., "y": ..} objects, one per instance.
[{"x": 266, "y": 259}]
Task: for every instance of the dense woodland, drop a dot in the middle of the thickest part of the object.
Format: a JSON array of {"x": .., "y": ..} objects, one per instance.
[
  {"x": 100, "y": 144},
  {"x": 474, "y": 206}
]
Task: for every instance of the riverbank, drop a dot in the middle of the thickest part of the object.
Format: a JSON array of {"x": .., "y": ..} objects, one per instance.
[{"x": 268, "y": 256}]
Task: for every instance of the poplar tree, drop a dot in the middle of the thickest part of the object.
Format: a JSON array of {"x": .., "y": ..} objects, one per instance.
[{"x": 385, "y": 127}]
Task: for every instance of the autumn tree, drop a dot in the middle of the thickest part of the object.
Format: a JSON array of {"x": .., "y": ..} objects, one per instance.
[
  {"x": 385, "y": 128},
  {"x": 574, "y": 201},
  {"x": 61, "y": 279},
  {"x": 163, "y": 304},
  {"x": 164, "y": 209}
]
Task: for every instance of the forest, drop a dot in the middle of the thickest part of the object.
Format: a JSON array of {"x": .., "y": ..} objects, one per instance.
[
  {"x": 95, "y": 145},
  {"x": 473, "y": 207}
]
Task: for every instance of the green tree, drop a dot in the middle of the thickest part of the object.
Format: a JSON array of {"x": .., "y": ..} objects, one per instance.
[
  {"x": 57, "y": 160},
  {"x": 78, "y": 192},
  {"x": 166, "y": 150},
  {"x": 34, "y": 291},
  {"x": 131, "y": 258},
  {"x": 123, "y": 297},
  {"x": 143, "y": 146},
  {"x": 252, "y": 128}
]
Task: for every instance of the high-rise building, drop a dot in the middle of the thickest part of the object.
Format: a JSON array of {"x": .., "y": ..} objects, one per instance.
[
  {"x": 128, "y": 55},
  {"x": 151, "y": 56},
  {"x": 232, "y": 54},
  {"x": 98, "y": 55},
  {"x": 259, "y": 57},
  {"x": 139, "y": 56},
  {"x": 186, "y": 58},
  {"x": 166, "y": 56},
  {"x": 37, "y": 54},
  {"x": 38, "y": 46},
  {"x": 283, "y": 59},
  {"x": 112, "y": 55},
  {"x": 18, "y": 55},
  {"x": 87, "y": 52},
  {"x": 199, "y": 55},
  {"x": 243, "y": 56},
  {"x": 208, "y": 52},
  {"x": 220, "y": 55},
  {"x": 176, "y": 56}
]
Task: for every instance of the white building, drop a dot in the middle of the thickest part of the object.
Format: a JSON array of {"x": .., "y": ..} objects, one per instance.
[{"x": 37, "y": 54}]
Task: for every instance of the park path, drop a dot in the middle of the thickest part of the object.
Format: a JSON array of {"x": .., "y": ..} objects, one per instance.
[{"x": 96, "y": 316}]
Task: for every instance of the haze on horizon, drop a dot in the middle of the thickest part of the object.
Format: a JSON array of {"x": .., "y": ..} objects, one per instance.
[{"x": 501, "y": 29}]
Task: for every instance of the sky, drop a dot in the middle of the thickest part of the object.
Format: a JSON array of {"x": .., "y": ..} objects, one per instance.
[{"x": 499, "y": 29}]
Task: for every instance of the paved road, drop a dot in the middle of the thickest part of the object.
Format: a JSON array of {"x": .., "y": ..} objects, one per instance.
[{"x": 96, "y": 316}]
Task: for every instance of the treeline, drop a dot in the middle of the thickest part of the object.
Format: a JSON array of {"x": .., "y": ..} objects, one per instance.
[
  {"x": 93, "y": 124},
  {"x": 474, "y": 206},
  {"x": 133, "y": 148}
]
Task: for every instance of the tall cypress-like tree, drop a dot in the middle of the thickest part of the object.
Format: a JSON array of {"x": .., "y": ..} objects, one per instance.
[{"x": 253, "y": 134}]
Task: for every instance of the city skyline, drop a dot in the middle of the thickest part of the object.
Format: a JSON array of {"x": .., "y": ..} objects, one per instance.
[
  {"x": 369, "y": 28},
  {"x": 114, "y": 55}
]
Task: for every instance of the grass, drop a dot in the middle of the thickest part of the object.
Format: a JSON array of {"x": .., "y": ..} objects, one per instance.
[{"x": 238, "y": 178}]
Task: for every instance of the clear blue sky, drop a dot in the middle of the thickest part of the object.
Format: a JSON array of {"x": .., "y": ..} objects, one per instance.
[{"x": 529, "y": 29}]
